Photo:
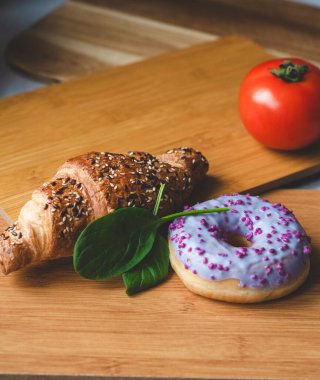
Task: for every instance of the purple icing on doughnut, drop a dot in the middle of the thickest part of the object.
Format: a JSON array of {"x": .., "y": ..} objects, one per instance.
[{"x": 279, "y": 249}]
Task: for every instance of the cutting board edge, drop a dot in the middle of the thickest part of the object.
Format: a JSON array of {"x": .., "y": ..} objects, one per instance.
[
  {"x": 277, "y": 184},
  {"x": 170, "y": 54}
]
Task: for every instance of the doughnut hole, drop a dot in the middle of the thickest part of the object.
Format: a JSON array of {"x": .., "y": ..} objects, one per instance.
[{"x": 237, "y": 240}]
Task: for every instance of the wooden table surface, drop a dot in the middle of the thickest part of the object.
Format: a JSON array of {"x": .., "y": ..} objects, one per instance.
[
  {"x": 85, "y": 36},
  {"x": 54, "y": 322}
]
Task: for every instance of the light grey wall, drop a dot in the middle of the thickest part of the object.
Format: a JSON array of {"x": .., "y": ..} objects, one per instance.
[{"x": 15, "y": 16}]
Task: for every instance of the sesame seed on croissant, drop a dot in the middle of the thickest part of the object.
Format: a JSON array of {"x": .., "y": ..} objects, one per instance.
[{"x": 90, "y": 186}]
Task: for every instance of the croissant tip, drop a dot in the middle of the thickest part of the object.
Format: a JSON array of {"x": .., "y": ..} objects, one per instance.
[
  {"x": 3, "y": 268},
  {"x": 190, "y": 159}
]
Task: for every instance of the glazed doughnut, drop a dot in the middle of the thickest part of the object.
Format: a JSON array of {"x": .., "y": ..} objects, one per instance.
[{"x": 273, "y": 262}]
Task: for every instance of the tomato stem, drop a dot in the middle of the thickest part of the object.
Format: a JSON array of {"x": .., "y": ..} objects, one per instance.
[{"x": 290, "y": 72}]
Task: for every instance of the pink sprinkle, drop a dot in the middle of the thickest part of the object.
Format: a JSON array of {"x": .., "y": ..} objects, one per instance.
[
  {"x": 268, "y": 236},
  {"x": 241, "y": 254},
  {"x": 249, "y": 236},
  {"x": 306, "y": 250},
  {"x": 203, "y": 222},
  {"x": 257, "y": 217},
  {"x": 268, "y": 269},
  {"x": 194, "y": 271},
  {"x": 254, "y": 276},
  {"x": 272, "y": 250},
  {"x": 212, "y": 228},
  {"x": 212, "y": 266},
  {"x": 205, "y": 260}
]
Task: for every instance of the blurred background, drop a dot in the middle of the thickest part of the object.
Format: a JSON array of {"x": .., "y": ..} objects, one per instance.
[
  {"x": 79, "y": 37},
  {"x": 49, "y": 41}
]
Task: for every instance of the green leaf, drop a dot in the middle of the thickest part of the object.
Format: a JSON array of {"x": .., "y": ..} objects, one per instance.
[
  {"x": 152, "y": 270},
  {"x": 159, "y": 197},
  {"x": 167, "y": 218},
  {"x": 115, "y": 243}
]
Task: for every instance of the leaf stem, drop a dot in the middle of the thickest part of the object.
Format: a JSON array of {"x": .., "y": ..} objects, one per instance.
[
  {"x": 158, "y": 201},
  {"x": 192, "y": 212}
]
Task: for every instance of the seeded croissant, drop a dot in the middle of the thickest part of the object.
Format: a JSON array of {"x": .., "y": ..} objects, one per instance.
[{"x": 88, "y": 187}]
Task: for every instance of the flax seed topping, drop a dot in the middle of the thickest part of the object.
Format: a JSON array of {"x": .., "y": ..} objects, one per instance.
[
  {"x": 133, "y": 180},
  {"x": 65, "y": 200}
]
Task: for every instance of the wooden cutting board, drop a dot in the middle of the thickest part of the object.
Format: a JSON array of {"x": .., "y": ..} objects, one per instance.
[
  {"x": 54, "y": 322},
  {"x": 84, "y": 36},
  {"x": 186, "y": 98}
]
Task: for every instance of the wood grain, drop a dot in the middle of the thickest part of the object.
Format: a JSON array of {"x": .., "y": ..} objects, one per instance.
[
  {"x": 81, "y": 38},
  {"x": 84, "y": 36},
  {"x": 278, "y": 25},
  {"x": 53, "y": 322},
  {"x": 186, "y": 98}
]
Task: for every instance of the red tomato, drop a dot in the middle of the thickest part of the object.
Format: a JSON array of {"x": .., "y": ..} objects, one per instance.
[{"x": 278, "y": 113}]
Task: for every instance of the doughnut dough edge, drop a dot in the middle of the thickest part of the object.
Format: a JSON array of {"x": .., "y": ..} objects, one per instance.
[{"x": 229, "y": 290}]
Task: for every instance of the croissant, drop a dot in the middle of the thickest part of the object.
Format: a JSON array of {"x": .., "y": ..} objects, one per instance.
[{"x": 88, "y": 187}]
